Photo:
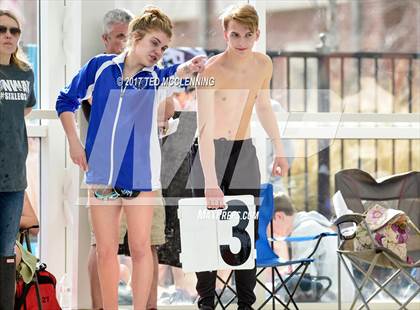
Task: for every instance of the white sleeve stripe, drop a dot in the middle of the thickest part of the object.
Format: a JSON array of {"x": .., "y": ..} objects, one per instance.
[
  {"x": 89, "y": 91},
  {"x": 154, "y": 152}
]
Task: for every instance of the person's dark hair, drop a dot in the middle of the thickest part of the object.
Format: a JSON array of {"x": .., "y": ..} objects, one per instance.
[{"x": 282, "y": 203}]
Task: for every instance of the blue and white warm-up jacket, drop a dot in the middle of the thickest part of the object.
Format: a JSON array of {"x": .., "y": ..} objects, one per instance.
[{"x": 122, "y": 144}]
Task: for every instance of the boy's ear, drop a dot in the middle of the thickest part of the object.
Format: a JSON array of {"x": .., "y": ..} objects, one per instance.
[
  {"x": 225, "y": 35},
  {"x": 258, "y": 33}
]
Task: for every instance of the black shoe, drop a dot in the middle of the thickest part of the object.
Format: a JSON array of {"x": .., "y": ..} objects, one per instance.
[
  {"x": 7, "y": 282},
  {"x": 204, "y": 307},
  {"x": 245, "y": 308}
]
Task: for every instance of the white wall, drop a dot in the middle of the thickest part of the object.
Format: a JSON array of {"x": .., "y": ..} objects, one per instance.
[{"x": 177, "y": 10}]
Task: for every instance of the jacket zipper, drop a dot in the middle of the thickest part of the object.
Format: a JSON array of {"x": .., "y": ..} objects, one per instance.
[{"x": 114, "y": 127}]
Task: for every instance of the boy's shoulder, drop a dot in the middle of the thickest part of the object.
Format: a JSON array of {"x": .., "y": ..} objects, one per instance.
[
  {"x": 263, "y": 59},
  {"x": 213, "y": 66},
  {"x": 214, "y": 62}
]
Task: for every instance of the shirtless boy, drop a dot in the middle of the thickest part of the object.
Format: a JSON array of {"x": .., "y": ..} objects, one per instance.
[{"x": 229, "y": 165}]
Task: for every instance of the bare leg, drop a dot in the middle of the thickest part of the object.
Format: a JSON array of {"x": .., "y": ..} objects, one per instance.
[
  {"x": 105, "y": 223},
  {"x": 125, "y": 274},
  {"x": 18, "y": 256},
  {"x": 139, "y": 213},
  {"x": 128, "y": 266},
  {"x": 164, "y": 271},
  {"x": 95, "y": 286},
  {"x": 185, "y": 281},
  {"x": 152, "y": 302}
]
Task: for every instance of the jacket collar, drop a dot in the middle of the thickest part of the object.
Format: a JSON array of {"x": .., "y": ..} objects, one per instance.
[{"x": 119, "y": 60}]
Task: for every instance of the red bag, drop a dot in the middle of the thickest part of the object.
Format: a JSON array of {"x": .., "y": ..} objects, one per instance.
[{"x": 26, "y": 297}]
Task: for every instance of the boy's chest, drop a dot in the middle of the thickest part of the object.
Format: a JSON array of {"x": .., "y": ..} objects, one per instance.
[{"x": 247, "y": 79}]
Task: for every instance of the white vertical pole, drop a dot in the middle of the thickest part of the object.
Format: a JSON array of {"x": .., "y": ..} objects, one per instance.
[
  {"x": 260, "y": 6},
  {"x": 260, "y": 46},
  {"x": 52, "y": 237},
  {"x": 259, "y": 134},
  {"x": 85, "y": 43}
]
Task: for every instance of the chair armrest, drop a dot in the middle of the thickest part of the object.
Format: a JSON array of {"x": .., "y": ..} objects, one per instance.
[
  {"x": 352, "y": 218},
  {"x": 306, "y": 238},
  {"x": 302, "y": 238},
  {"x": 356, "y": 218}
]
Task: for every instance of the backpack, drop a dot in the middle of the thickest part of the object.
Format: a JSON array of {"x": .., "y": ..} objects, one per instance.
[
  {"x": 388, "y": 227},
  {"x": 26, "y": 297}
]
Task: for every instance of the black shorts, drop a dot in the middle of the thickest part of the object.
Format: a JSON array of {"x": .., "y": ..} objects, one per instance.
[
  {"x": 237, "y": 168},
  {"x": 126, "y": 193},
  {"x": 115, "y": 193}
]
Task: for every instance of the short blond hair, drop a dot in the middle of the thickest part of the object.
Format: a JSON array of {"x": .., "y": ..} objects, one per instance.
[
  {"x": 244, "y": 14},
  {"x": 151, "y": 19}
]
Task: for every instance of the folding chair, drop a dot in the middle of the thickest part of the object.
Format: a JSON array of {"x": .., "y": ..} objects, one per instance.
[
  {"x": 266, "y": 258},
  {"x": 400, "y": 192},
  {"x": 25, "y": 239}
]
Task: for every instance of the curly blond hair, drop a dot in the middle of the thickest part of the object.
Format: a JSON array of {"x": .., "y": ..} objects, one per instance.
[{"x": 151, "y": 19}]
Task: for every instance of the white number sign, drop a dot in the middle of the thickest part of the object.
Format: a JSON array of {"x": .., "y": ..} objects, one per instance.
[{"x": 217, "y": 239}]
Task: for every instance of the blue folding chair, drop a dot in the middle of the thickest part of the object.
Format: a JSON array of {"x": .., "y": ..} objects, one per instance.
[{"x": 266, "y": 258}]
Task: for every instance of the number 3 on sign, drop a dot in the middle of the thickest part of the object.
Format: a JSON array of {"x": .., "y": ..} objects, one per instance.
[{"x": 217, "y": 239}]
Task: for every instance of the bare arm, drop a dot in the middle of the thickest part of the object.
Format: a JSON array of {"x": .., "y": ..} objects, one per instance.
[
  {"x": 27, "y": 111},
  {"x": 206, "y": 121},
  {"x": 77, "y": 152},
  {"x": 166, "y": 110},
  {"x": 205, "y": 125},
  {"x": 268, "y": 121},
  {"x": 187, "y": 69},
  {"x": 265, "y": 111},
  {"x": 69, "y": 125},
  {"x": 29, "y": 218}
]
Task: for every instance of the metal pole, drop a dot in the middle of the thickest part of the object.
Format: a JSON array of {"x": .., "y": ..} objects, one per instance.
[{"x": 323, "y": 144}]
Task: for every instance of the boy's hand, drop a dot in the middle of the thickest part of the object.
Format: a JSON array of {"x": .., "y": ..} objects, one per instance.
[
  {"x": 280, "y": 166},
  {"x": 214, "y": 198}
]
